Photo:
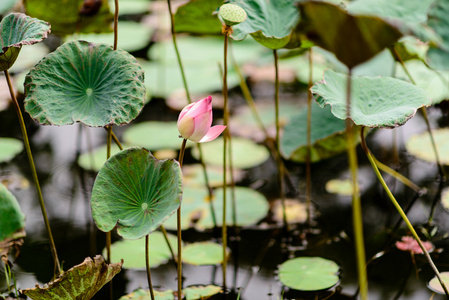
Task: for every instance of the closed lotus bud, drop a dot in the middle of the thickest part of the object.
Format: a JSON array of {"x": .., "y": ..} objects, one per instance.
[{"x": 195, "y": 120}]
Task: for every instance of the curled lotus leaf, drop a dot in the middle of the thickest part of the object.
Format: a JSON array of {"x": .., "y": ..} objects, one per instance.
[
  {"x": 135, "y": 192},
  {"x": 16, "y": 30},
  {"x": 85, "y": 82}
]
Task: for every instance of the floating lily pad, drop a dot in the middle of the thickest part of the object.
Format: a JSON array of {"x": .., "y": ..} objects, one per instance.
[
  {"x": 145, "y": 295},
  {"x": 340, "y": 187},
  {"x": 420, "y": 146},
  {"x": 131, "y": 7},
  {"x": 66, "y": 17},
  {"x": 99, "y": 86},
  {"x": 203, "y": 253},
  {"x": 375, "y": 101},
  {"x": 295, "y": 211},
  {"x": 435, "y": 285},
  {"x": 196, "y": 16},
  {"x": 201, "y": 292},
  {"x": 194, "y": 175},
  {"x": 135, "y": 193},
  {"x": 154, "y": 135},
  {"x": 80, "y": 282},
  {"x": 133, "y": 251},
  {"x": 269, "y": 22},
  {"x": 94, "y": 160},
  {"x": 251, "y": 207},
  {"x": 245, "y": 153},
  {"x": 365, "y": 36},
  {"x": 327, "y": 136},
  {"x": 437, "y": 56},
  {"x": 132, "y": 36},
  {"x": 309, "y": 273},
  {"x": 9, "y": 148},
  {"x": 16, "y": 30},
  {"x": 12, "y": 219}
]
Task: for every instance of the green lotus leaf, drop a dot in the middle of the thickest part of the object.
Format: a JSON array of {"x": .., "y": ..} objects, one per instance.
[
  {"x": 309, "y": 273},
  {"x": 327, "y": 136},
  {"x": 133, "y": 251},
  {"x": 409, "y": 16},
  {"x": 203, "y": 253},
  {"x": 132, "y": 36},
  {"x": 245, "y": 153},
  {"x": 438, "y": 57},
  {"x": 375, "y": 101},
  {"x": 145, "y": 295},
  {"x": 70, "y": 16},
  {"x": 194, "y": 175},
  {"x": 342, "y": 187},
  {"x": 364, "y": 36},
  {"x": 251, "y": 207},
  {"x": 9, "y": 147},
  {"x": 201, "y": 292},
  {"x": 82, "y": 281},
  {"x": 85, "y": 82},
  {"x": 420, "y": 146},
  {"x": 6, "y": 5},
  {"x": 12, "y": 219},
  {"x": 269, "y": 22},
  {"x": 435, "y": 284},
  {"x": 16, "y": 30},
  {"x": 196, "y": 16},
  {"x": 154, "y": 135},
  {"x": 131, "y": 7},
  {"x": 135, "y": 192}
]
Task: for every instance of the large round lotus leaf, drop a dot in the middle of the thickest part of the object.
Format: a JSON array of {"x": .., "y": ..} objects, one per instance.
[
  {"x": 269, "y": 22},
  {"x": 196, "y": 16},
  {"x": 6, "y": 5},
  {"x": 65, "y": 16},
  {"x": 201, "y": 292},
  {"x": 94, "y": 160},
  {"x": 133, "y": 251},
  {"x": 203, "y": 253},
  {"x": 420, "y": 146},
  {"x": 154, "y": 135},
  {"x": 145, "y": 295},
  {"x": 309, "y": 273},
  {"x": 132, "y": 36},
  {"x": 245, "y": 153},
  {"x": 365, "y": 36},
  {"x": 438, "y": 20},
  {"x": 375, "y": 101},
  {"x": 328, "y": 136},
  {"x": 435, "y": 285},
  {"x": 85, "y": 82},
  {"x": 82, "y": 281},
  {"x": 16, "y": 30},
  {"x": 11, "y": 217},
  {"x": 9, "y": 147},
  {"x": 135, "y": 192},
  {"x": 434, "y": 83},
  {"x": 407, "y": 15},
  {"x": 251, "y": 207}
]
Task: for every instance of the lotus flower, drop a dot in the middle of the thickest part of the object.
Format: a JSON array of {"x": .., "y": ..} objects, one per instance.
[{"x": 195, "y": 120}]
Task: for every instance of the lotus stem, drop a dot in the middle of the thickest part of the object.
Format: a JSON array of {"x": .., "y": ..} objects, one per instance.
[
  {"x": 424, "y": 113},
  {"x": 356, "y": 201},
  {"x": 309, "y": 142},
  {"x": 116, "y": 24},
  {"x": 401, "y": 212},
  {"x": 279, "y": 163},
  {"x": 178, "y": 219},
  {"x": 147, "y": 263},
  {"x": 54, "y": 253}
]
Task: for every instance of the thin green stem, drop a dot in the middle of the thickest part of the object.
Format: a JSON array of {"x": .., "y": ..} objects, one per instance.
[
  {"x": 424, "y": 113},
  {"x": 147, "y": 263},
  {"x": 356, "y": 201},
  {"x": 180, "y": 160},
  {"x": 280, "y": 165},
  {"x": 400, "y": 211},
  {"x": 309, "y": 142},
  {"x": 224, "y": 234},
  {"x": 108, "y": 155},
  {"x": 170, "y": 248},
  {"x": 34, "y": 173}
]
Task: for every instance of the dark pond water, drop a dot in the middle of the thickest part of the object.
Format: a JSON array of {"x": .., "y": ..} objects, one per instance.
[{"x": 257, "y": 251}]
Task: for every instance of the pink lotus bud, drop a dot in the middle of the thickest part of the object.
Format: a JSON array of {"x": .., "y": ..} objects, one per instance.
[{"x": 195, "y": 120}]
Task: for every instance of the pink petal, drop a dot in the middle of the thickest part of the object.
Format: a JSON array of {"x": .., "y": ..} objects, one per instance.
[
  {"x": 185, "y": 110},
  {"x": 200, "y": 107},
  {"x": 186, "y": 127},
  {"x": 202, "y": 126},
  {"x": 213, "y": 133}
]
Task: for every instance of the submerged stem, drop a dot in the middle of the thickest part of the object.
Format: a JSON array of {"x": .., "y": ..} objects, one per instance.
[
  {"x": 356, "y": 201},
  {"x": 401, "y": 212},
  {"x": 54, "y": 253},
  {"x": 147, "y": 263}
]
